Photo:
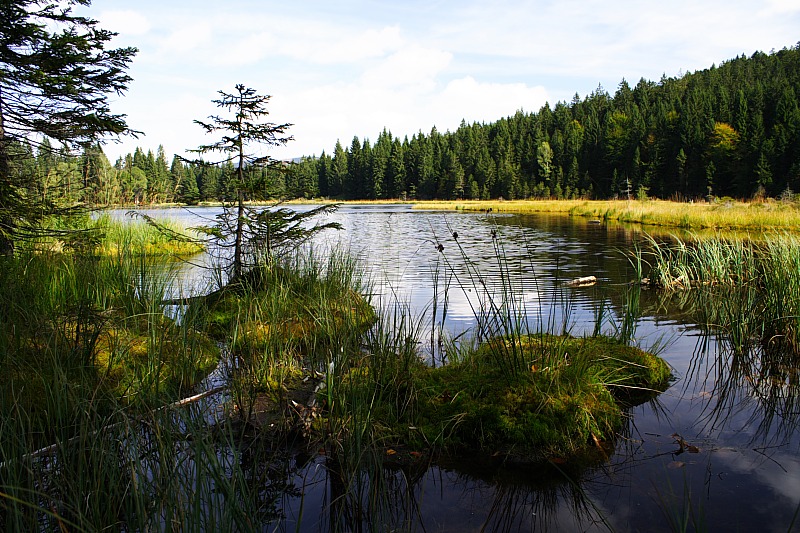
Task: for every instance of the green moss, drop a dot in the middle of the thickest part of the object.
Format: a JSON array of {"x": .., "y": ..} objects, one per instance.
[
  {"x": 571, "y": 397},
  {"x": 145, "y": 363},
  {"x": 50, "y": 381},
  {"x": 291, "y": 311}
]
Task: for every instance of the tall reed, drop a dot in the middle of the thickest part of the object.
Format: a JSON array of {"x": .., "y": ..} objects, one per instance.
[
  {"x": 754, "y": 284},
  {"x": 90, "y": 355},
  {"x": 164, "y": 237}
]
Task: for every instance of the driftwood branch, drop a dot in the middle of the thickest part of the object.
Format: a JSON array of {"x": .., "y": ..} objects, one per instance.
[
  {"x": 52, "y": 448},
  {"x": 586, "y": 281}
]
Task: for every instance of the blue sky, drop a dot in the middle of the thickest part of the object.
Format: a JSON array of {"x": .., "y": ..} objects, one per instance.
[{"x": 350, "y": 68}]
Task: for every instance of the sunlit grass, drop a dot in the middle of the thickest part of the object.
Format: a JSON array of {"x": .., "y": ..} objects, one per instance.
[
  {"x": 751, "y": 289},
  {"x": 139, "y": 238},
  {"x": 108, "y": 237},
  {"x": 722, "y": 215}
]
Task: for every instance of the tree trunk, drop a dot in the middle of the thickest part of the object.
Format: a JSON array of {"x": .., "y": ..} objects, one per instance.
[
  {"x": 237, "y": 249},
  {"x": 6, "y": 193}
]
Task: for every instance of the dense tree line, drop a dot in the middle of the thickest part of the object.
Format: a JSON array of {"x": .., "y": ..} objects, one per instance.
[
  {"x": 730, "y": 130},
  {"x": 137, "y": 178}
]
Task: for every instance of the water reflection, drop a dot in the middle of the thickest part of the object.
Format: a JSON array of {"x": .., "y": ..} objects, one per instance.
[
  {"x": 438, "y": 498},
  {"x": 743, "y": 380}
]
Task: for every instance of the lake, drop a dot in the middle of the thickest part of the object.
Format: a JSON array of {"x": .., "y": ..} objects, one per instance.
[{"x": 718, "y": 450}]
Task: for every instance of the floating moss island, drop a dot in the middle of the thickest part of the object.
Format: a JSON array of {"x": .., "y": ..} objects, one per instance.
[
  {"x": 566, "y": 396},
  {"x": 272, "y": 311},
  {"x": 568, "y": 393}
]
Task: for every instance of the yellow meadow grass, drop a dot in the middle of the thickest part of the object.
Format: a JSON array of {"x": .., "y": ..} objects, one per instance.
[{"x": 723, "y": 215}]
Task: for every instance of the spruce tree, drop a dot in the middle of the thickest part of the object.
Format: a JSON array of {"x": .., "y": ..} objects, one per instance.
[
  {"x": 257, "y": 233},
  {"x": 56, "y": 76}
]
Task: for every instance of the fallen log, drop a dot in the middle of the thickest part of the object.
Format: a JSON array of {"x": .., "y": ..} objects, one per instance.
[{"x": 586, "y": 281}]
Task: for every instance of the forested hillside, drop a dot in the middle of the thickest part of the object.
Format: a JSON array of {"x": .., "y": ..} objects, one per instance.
[{"x": 730, "y": 130}]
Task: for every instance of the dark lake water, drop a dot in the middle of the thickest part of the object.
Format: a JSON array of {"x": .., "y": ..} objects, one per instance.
[{"x": 746, "y": 474}]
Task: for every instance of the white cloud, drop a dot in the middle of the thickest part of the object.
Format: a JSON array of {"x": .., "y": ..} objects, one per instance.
[
  {"x": 126, "y": 21},
  {"x": 247, "y": 51},
  {"x": 785, "y": 484},
  {"x": 486, "y": 102},
  {"x": 344, "y": 110},
  {"x": 330, "y": 45},
  {"x": 339, "y": 70},
  {"x": 185, "y": 39},
  {"x": 776, "y": 7},
  {"x": 609, "y": 40},
  {"x": 412, "y": 68}
]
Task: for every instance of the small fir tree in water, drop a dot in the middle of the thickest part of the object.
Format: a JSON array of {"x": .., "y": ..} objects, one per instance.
[{"x": 252, "y": 233}]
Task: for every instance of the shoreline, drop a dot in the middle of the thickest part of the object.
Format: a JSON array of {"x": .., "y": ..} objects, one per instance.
[{"x": 723, "y": 215}]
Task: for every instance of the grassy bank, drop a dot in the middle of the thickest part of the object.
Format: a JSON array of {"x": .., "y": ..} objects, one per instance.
[
  {"x": 718, "y": 215},
  {"x": 748, "y": 289},
  {"x": 140, "y": 238},
  {"x": 110, "y": 237}
]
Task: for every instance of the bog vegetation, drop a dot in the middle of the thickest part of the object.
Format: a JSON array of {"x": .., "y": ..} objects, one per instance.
[
  {"x": 95, "y": 400},
  {"x": 721, "y": 214},
  {"x": 755, "y": 284}
]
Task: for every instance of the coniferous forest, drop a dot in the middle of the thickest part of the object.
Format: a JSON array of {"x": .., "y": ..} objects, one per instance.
[{"x": 730, "y": 130}]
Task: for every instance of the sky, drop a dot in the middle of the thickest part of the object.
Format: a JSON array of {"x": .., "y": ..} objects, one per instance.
[{"x": 339, "y": 69}]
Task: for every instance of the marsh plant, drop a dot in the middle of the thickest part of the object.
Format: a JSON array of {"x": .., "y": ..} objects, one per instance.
[
  {"x": 90, "y": 357},
  {"x": 745, "y": 296},
  {"x": 752, "y": 286},
  {"x": 163, "y": 469},
  {"x": 106, "y": 236},
  {"x": 166, "y": 238}
]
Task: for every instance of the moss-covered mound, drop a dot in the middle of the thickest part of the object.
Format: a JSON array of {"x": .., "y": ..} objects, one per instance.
[
  {"x": 278, "y": 310},
  {"x": 534, "y": 397},
  {"x": 141, "y": 359},
  {"x": 284, "y": 323},
  {"x": 145, "y": 359},
  {"x": 73, "y": 370}
]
